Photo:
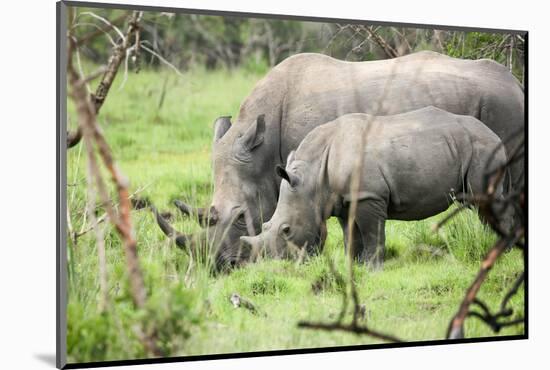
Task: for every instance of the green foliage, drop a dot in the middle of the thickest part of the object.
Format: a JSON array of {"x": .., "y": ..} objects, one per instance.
[
  {"x": 470, "y": 45},
  {"x": 466, "y": 238},
  {"x": 495, "y": 46},
  {"x": 172, "y": 314},
  {"x": 95, "y": 336},
  {"x": 268, "y": 284},
  {"x": 326, "y": 281},
  {"x": 256, "y": 65}
]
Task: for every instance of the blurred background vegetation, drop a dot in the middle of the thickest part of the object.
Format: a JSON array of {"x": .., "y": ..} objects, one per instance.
[{"x": 187, "y": 40}]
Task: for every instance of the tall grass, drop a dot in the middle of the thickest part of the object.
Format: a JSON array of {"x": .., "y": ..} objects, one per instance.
[{"x": 160, "y": 128}]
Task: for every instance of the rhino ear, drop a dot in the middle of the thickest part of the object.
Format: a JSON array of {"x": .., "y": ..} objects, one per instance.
[
  {"x": 290, "y": 157},
  {"x": 254, "y": 136},
  {"x": 291, "y": 178},
  {"x": 221, "y": 126}
]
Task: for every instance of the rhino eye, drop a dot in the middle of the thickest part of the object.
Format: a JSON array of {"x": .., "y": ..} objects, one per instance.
[
  {"x": 240, "y": 222},
  {"x": 285, "y": 231}
]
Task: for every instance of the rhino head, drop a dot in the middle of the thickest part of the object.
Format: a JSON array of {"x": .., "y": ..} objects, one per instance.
[
  {"x": 245, "y": 188},
  {"x": 298, "y": 224}
]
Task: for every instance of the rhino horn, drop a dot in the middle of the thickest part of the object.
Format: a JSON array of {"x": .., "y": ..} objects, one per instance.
[
  {"x": 187, "y": 209},
  {"x": 291, "y": 178},
  {"x": 221, "y": 126},
  {"x": 181, "y": 240},
  {"x": 205, "y": 217}
]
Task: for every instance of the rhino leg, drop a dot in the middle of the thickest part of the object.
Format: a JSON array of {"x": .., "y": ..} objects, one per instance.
[
  {"x": 507, "y": 219},
  {"x": 371, "y": 219},
  {"x": 357, "y": 240}
]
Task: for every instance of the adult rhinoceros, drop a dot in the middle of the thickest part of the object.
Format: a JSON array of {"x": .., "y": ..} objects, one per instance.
[{"x": 307, "y": 90}]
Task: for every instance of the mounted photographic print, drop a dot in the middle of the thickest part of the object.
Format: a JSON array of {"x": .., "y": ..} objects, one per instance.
[{"x": 236, "y": 185}]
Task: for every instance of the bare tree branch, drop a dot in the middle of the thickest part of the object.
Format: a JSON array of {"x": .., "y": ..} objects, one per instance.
[
  {"x": 163, "y": 60},
  {"x": 456, "y": 329},
  {"x": 495, "y": 320},
  {"x": 105, "y": 21},
  {"x": 387, "y": 48},
  {"x": 119, "y": 52},
  {"x": 99, "y": 31}
]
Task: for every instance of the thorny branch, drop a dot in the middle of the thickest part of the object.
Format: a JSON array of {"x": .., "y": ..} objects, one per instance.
[{"x": 493, "y": 320}]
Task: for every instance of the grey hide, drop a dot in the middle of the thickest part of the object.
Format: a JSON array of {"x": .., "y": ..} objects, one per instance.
[
  {"x": 307, "y": 90},
  {"x": 410, "y": 165}
]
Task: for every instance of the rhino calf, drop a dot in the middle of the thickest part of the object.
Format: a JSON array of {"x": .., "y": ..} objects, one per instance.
[{"x": 410, "y": 165}]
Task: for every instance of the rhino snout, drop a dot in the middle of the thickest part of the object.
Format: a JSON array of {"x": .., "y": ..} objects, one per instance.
[{"x": 250, "y": 243}]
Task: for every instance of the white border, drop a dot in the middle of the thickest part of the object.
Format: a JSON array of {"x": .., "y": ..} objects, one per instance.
[{"x": 27, "y": 326}]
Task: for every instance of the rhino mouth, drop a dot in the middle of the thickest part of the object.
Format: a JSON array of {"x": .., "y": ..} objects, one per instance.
[
  {"x": 231, "y": 254},
  {"x": 317, "y": 245},
  {"x": 225, "y": 264}
]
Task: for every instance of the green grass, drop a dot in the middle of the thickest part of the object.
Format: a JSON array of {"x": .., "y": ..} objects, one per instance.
[{"x": 165, "y": 152}]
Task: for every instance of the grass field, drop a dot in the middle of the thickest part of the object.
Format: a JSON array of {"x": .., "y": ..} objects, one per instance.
[{"x": 161, "y": 141}]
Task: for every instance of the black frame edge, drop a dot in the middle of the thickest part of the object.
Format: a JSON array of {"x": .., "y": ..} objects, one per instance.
[
  {"x": 302, "y": 351},
  {"x": 61, "y": 178},
  {"x": 303, "y": 18},
  {"x": 526, "y": 179}
]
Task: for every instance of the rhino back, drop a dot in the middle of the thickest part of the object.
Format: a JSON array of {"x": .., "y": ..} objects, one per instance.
[
  {"x": 411, "y": 160},
  {"x": 307, "y": 90}
]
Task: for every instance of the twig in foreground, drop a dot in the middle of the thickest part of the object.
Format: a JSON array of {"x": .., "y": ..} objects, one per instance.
[
  {"x": 495, "y": 321},
  {"x": 456, "y": 327},
  {"x": 350, "y": 328}
]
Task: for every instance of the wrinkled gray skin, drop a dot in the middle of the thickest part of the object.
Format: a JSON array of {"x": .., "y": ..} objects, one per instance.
[
  {"x": 307, "y": 90},
  {"x": 412, "y": 162}
]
